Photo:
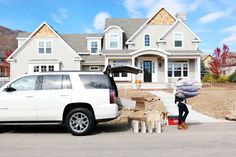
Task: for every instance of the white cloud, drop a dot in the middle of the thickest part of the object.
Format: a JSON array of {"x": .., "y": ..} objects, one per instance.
[
  {"x": 99, "y": 20},
  {"x": 140, "y": 8},
  {"x": 211, "y": 17},
  {"x": 89, "y": 30},
  {"x": 229, "y": 29},
  {"x": 230, "y": 39},
  {"x": 60, "y": 15}
]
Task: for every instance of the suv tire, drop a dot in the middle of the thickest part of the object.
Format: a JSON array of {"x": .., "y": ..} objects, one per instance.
[{"x": 80, "y": 121}]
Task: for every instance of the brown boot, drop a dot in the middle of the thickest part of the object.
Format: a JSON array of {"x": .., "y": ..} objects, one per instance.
[
  {"x": 184, "y": 125},
  {"x": 180, "y": 127}
]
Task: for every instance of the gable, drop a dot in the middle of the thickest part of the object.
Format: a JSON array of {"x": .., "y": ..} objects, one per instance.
[
  {"x": 162, "y": 18},
  {"x": 44, "y": 32},
  {"x": 180, "y": 27}
]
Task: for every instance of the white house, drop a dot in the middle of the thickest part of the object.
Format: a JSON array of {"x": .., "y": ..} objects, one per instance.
[{"x": 162, "y": 46}]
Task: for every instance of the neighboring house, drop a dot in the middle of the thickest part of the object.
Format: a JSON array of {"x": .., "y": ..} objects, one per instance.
[
  {"x": 206, "y": 59},
  {"x": 162, "y": 46},
  {"x": 4, "y": 68},
  {"x": 230, "y": 66}
]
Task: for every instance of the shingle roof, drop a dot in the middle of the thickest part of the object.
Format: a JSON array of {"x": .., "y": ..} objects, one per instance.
[
  {"x": 78, "y": 42},
  {"x": 129, "y": 25}
]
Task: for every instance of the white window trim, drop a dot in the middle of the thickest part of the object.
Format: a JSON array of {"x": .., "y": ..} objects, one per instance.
[
  {"x": 45, "y": 41},
  {"x": 98, "y": 46},
  {"x": 182, "y": 71},
  {"x": 118, "y": 41},
  {"x": 182, "y": 39},
  {"x": 31, "y": 67},
  {"x": 149, "y": 40}
]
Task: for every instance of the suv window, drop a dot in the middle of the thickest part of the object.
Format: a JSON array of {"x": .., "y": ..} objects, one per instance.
[
  {"x": 24, "y": 83},
  {"x": 52, "y": 82},
  {"x": 95, "y": 81}
]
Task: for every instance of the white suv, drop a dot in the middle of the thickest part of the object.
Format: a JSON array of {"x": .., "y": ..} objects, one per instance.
[{"x": 77, "y": 99}]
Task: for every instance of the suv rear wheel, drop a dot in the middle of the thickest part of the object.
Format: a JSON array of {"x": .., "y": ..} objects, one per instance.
[{"x": 80, "y": 121}]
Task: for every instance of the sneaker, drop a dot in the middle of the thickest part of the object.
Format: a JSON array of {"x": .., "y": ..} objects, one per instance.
[
  {"x": 180, "y": 127},
  {"x": 184, "y": 125}
]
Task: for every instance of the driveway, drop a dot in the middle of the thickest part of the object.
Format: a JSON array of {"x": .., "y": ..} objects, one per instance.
[
  {"x": 201, "y": 139},
  {"x": 171, "y": 107}
]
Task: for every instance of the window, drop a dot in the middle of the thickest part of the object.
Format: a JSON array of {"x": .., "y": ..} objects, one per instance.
[
  {"x": 50, "y": 68},
  {"x": 43, "y": 68},
  {"x": 178, "y": 69},
  {"x": 94, "y": 47},
  {"x": 36, "y": 68},
  {"x": 52, "y": 82},
  {"x": 178, "y": 40},
  {"x": 95, "y": 81},
  {"x": 25, "y": 83},
  {"x": 120, "y": 63},
  {"x": 146, "y": 40},
  {"x": 114, "y": 41},
  {"x": 44, "y": 47},
  {"x": 48, "y": 47}
]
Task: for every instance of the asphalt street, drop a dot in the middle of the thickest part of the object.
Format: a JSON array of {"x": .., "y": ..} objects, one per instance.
[{"x": 110, "y": 140}]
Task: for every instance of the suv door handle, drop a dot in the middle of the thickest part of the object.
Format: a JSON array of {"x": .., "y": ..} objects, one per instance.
[
  {"x": 29, "y": 96},
  {"x": 64, "y": 95}
]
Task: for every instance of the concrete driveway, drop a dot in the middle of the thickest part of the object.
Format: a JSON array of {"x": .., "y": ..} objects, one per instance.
[{"x": 201, "y": 139}]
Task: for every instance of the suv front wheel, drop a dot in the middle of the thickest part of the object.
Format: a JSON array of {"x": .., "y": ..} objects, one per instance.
[{"x": 79, "y": 121}]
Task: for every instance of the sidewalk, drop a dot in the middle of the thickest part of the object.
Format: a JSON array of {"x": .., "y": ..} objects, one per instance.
[{"x": 171, "y": 107}]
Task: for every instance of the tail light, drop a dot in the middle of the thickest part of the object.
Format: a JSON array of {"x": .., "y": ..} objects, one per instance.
[{"x": 112, "y": 96}]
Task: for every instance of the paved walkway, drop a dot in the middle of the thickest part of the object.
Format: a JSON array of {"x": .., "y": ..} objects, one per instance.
[{"x": 171, "y": 107}]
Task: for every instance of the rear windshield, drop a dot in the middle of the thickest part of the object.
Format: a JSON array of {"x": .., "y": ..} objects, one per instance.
[{"x": 95, "y": 81}]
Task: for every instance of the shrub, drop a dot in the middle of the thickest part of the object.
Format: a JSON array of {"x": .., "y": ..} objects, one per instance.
[
  {"x": 232, "y": 78},
  {"x": 208, "y": 78},
  {"x": 222, "y": 79}
]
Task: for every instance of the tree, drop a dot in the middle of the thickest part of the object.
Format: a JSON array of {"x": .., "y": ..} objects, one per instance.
[
  {"x": 219, "y": 60},
  {"x": 203, "y": 70},
  {"x": 5, "y": 64}
]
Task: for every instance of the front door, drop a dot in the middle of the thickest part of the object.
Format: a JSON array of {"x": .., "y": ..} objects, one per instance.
[{"x": 147, "y": 68}]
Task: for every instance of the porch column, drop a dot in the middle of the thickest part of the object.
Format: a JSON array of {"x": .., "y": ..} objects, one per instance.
[
  {"x": 133, "y": 75},
  {"x": 106, "y": 62},
  {"x": 198, "y": 78},
  {"x": 166, "y": 69}
]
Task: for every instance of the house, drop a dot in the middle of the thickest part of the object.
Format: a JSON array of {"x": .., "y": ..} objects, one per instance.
[
  {"x": 162, "y": 46},
  {"x": 206, "y": 59},
  {"x": 230, "y": 66}
]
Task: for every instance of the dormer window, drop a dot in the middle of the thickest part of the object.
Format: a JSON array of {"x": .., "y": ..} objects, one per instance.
[
  {"x": 45, "y": 47},
  {"x": 114, "y": 38},
  {"x": 94, "y": 47},
  {"x": 147, "y": 40},
  {"x": 178, "y": 40}
]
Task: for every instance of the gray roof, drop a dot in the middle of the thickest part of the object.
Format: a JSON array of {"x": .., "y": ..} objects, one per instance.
[
  {"x": 129, "y": 25},
  {"x": 78, "y": 42},
  {"x": 23, "y": 34}
]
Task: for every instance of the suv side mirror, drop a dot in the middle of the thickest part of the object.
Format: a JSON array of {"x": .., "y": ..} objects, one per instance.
[{"x": 9, "y": 89}]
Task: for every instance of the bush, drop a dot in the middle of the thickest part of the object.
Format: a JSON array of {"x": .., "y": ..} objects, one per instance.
[
  {"x": 232, "y": 78},
  {"x": 208, "y": 78},
  {"x": 222, "y": 79}
]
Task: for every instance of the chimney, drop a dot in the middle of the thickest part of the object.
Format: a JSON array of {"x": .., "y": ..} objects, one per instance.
[{"x": 181, "y": 16}]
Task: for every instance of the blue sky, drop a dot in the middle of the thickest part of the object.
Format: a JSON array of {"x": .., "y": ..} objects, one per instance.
[{"x": 214, "y": 21}]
